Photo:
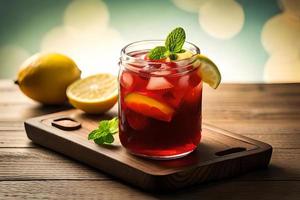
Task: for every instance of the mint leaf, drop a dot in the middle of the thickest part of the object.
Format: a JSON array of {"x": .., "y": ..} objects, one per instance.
[
  {"x": 103, "y": 124},
  {"x": 99, "y": 140},
  {"x": 108, "y": 139},
  {"x": 113, "y": 125},
  {"x": 157, "y": 53},
  {"x": 175, "y": 40},
  {"x": 93, "y": 134},
  {"x": 105, "y": 131}
]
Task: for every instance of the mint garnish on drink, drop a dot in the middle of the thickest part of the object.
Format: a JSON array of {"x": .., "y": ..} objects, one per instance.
[
  {"x": 157, "y": 53},
  {"x": 173, "y": 45}
]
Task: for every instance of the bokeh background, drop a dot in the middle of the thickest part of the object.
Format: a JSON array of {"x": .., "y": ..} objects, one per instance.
[{"x": 251, "y": 41}]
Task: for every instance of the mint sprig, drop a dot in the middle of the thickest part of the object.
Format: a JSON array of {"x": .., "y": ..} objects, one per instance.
[
  {"x": 105, "y": 131},
  {"x": 158, "y": 53},
  {"x": 173, "y": 44}
]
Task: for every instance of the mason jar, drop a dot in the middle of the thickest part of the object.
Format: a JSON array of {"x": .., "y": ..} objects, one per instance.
[{"x": 160, "y": 102}]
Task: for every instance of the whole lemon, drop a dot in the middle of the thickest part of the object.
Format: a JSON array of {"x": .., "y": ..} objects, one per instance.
[{"x": 44, "y": 77}]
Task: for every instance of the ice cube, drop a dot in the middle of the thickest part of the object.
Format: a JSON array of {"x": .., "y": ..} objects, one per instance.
[
  {"x": 158, "y": 83},
  {"x": 175, "y": 96},
  {"x": 194, "y": 95},
  {"x": 127, "y": 80},
  {"x": 183, "y": 81}
]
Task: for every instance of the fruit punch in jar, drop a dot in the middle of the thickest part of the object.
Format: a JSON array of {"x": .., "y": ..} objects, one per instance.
[{"x": 160, "y": 97}]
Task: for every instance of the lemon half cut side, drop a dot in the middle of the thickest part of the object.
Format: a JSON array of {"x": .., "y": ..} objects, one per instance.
[{"x": 94, "y": 94}]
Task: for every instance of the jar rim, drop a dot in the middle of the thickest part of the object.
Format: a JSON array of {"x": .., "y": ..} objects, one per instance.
[
  {"x": 123, "y": 50},
  {"x": 181, "y": 65}
]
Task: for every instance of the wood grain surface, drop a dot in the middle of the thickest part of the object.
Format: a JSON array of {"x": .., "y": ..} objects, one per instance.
[
  {"x": 270, "y": 113},
  {"x": 220, "y": 154}
]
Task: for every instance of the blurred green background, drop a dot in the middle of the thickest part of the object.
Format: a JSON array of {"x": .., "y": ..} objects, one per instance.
[{"x": 251, "y": 41}]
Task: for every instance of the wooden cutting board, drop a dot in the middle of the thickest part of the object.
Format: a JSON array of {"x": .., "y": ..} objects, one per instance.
[{"x": 221, "y": 154}]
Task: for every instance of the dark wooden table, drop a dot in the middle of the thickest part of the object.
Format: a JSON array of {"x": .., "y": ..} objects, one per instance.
[{"x": 270, "y": 113}]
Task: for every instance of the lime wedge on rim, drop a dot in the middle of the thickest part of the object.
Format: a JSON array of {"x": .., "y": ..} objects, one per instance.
[{"x": 209, "y": 72}]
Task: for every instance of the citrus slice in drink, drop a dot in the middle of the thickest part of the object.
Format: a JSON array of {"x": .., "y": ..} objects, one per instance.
[
  {"x": 94, "y": 94},
  {"x": 148, "y": 106},
  {"x": 208, "y": 71}
]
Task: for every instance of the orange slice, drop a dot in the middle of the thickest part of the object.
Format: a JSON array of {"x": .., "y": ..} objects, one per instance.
[{"x": 149, "y": 107}]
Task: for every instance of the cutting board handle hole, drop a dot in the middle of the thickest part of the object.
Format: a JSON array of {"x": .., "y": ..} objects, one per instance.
[
  {"x": 230, "y": 151},
  {"x": 66, "y": 123}
]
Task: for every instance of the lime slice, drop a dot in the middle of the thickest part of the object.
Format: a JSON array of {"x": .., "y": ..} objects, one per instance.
[{"x": 209, "y": 72}]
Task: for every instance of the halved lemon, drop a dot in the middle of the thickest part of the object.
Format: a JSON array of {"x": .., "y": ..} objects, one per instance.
[
  {"x": 94, "y": 94},
  {"x": 209, "y": 71}
]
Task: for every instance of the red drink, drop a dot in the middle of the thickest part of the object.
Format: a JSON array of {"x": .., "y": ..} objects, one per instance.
[{"x": 159, "y": 105}]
